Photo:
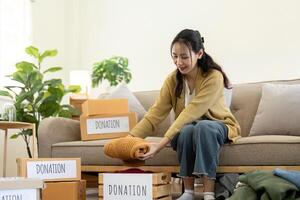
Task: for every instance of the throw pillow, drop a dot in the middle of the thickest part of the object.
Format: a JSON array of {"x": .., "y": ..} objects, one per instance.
[
  {"x": 122, "y": 91},
  {"x": 278, "y": 112}
]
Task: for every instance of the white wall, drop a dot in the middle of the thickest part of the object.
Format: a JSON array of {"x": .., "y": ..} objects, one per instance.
[
  {"x": 253, "y": 40},
  {"x": 49, "y": 32}
]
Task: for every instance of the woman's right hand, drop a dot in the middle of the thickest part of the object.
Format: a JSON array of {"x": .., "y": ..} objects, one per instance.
[{"x": 154, "y": 149}]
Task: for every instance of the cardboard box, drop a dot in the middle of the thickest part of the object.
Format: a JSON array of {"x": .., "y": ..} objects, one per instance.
[
  {"x": 93, "y": 107},
  {"x": 20, "y": 188},
  {"x": 50, "y": 169},
  {"x": 73, "y": 190},
  {"x": 146, "y": 186},
  {"x": 91, "y": 179},
  {"x": 76, "y": 101},
  {"x": 106, "y": 126}
]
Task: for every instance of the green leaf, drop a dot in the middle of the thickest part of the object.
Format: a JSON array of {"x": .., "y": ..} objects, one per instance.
[
  {"x": 11, "y": 89},
  {"x": 52, "y": 69},
  {"x": 48, "y": 109},
  {"x": 50, "y": 53},
  {"x": 56, "y": 93},
  {"x": 20, "y": 112},
  {"x": 29, "y": 118},
  {"x": 6, "y": 94},
  {"x": 33, "y": 51},
  {"x": 36, "y": 82},
  {"x": 23, "y": 132},
  {"x": 27, "y": 132},
  {"x": 74, "y": 88},
  {"x": 24, "y": 95},
  {"x": 20, "y": 77},
  {"x": 14, "y": 136},
  {"x": 39, "y": 98},
  {"x": 47, "y": 53},
  {"x": 25, "y": 66},
  {"x": 65, "y": 113},
  {"x": 53, "y": 82},
  {"x": 74, "y": 111}
]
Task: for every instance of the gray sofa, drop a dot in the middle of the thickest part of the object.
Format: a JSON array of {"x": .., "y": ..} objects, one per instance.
[{"x": 59, "y": 137}]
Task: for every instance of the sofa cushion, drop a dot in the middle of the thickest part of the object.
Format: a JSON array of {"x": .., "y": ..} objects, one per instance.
[
  {"x": 278, "y": 111},
  {"x": 92, "y": 153},
  {"x": 248, "y": 151},
  {"x": 271, "y": 150}
]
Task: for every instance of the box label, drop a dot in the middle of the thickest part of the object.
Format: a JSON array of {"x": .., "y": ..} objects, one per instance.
[
  {"x": 22, "y": 194},
  {"x": 108, "y": 125},
  {"x": 52, "y": 169},
  {"x": 127, "y": 186}
]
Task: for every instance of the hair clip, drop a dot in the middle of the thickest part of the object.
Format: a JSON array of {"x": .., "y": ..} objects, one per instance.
[{"x": 202, "y": 39}]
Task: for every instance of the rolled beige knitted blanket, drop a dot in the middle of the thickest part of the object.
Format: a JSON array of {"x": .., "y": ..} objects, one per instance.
[{"x": 128, "y": 149}]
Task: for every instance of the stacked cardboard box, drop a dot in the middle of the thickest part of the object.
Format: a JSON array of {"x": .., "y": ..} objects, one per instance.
[
  {"x": 104, "y": 119},
  {"x": 62, "y": 177},
  {"x": 146, "y": 186},
  {"x": 20, "y": 188},
  {"x": 76, "y": 101}
]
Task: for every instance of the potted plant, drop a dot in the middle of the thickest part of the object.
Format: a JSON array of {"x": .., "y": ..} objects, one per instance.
[
  {"x": 114, "y": 70},
  {"x": 36, "y": 97}
]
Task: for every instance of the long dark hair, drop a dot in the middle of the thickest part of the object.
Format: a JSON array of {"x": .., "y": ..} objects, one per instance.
[{"x": 193, "y": 40}]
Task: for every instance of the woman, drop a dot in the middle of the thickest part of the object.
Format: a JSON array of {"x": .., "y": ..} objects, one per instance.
[{"x": 195, "y": 90}]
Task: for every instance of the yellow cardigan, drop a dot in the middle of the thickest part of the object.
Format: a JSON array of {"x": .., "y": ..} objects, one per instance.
[{"x": 208, "y": 101}]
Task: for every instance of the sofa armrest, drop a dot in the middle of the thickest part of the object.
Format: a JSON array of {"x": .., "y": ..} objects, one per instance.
[{"x": 56, "y": 129}]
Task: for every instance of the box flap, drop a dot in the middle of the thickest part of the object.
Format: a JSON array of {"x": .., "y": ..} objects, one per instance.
[{"x": 104, "y": 106}]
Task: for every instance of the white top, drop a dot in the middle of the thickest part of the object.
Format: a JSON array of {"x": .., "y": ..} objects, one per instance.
[{"x": 188, "y": 94}]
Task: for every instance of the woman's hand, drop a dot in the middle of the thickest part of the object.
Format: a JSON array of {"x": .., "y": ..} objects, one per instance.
[{"x": 155, "y": 147}]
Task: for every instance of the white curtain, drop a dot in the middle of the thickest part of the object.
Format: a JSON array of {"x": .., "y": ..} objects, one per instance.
[{"x": 15, "y": 35}]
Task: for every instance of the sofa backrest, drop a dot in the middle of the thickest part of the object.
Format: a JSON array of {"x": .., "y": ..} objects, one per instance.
[
  {"x": 147, "y": 99},
  {"x": 244, "y": 104},
  {"x": 245, "y": 101}
]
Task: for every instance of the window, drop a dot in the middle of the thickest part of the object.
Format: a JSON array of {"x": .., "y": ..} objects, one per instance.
[{"x": 15, "y": 35}]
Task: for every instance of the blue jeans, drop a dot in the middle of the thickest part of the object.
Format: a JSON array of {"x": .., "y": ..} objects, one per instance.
[{"x": 198, "y": 145}]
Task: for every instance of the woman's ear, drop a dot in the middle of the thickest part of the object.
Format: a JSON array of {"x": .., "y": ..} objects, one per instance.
[{"x": 200, "y": 54}]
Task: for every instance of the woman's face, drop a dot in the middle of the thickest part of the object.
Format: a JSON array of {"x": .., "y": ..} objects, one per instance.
[{"x": 184, "y": 58}]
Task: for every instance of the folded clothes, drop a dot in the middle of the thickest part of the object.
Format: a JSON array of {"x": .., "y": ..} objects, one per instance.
[
  {"x": 134, "y": 171},
  {"x": 289, "y": 175},
  {"x": 128, "y": 149}
]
